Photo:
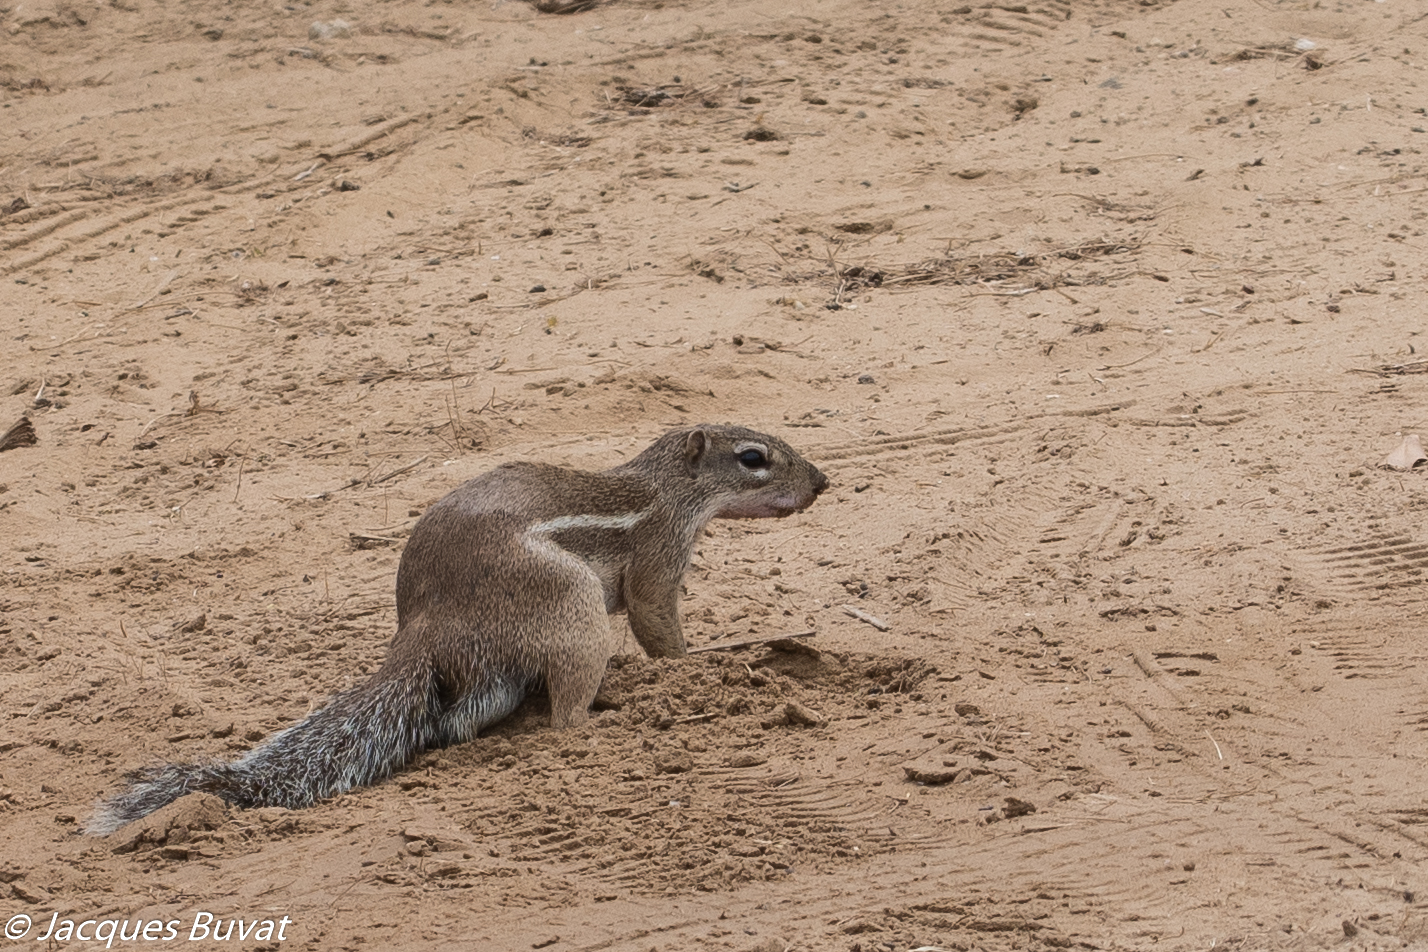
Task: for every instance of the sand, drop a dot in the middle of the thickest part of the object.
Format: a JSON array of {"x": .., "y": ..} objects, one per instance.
[{"x": 1100, "y": 316}]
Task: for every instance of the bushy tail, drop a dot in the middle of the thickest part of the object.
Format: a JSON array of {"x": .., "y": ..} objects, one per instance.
[{"x": 361, "y": 736}]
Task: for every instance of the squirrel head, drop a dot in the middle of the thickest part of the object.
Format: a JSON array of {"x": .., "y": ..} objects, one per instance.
[{"x": 745, "y": 474}]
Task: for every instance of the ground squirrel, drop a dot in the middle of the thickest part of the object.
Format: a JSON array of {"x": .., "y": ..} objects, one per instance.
[{"x": 505, "y": 586}]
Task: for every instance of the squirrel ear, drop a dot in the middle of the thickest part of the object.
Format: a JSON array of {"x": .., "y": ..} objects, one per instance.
[{"x": 695, "y": 446}]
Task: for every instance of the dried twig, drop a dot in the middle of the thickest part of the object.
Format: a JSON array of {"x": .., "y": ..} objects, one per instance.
[
  {"x": 379, "y": 376},
  {"x": 162, "y": 416},
  {"x": 363, "y": 540},
  {"x": 564, "y": 6},
  {"x": 744, "y": 643},
  {"x": 374, "y": 480},
  {"x": 238, "y": 486},
  {"x": 163, "y": 285},
  {"x": 873, "y": 620},
  {"x": 1033, "y": 271},
  {"x": 1419, "y": 366}
]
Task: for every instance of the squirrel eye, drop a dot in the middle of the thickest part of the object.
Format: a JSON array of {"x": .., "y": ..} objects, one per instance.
[{"x": 753, "y": 459}]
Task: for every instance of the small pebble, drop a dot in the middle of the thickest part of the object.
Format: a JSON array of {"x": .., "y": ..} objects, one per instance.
[{"x": 334, "y": 29}]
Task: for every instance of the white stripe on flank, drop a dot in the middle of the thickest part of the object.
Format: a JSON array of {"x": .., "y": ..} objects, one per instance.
[{"x": 626, "y": 521}]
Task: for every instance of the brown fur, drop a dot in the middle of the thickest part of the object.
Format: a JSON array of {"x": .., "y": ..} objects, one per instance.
[{"x": 506, "y": 584}]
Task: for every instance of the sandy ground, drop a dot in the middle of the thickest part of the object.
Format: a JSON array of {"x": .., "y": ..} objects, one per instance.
[{"x": 1101, "y": 317}]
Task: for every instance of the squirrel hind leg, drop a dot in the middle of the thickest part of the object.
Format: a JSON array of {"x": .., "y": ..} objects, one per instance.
[
  {"x": 571, "y": 707},
  {"x": 568, "y": 640},
  {"x": 573, "y": 674}
]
